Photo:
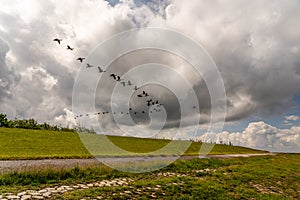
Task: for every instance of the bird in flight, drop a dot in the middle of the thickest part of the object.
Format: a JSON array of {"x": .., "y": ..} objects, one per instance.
[
  {"x": 57, "y": 40},
  {"x": 155, "y": 103},
  {"x": 88, "y": 65},
  {"x": 123, "y": 83},
  {"x": 118, "y": 78},
  {"x": 149, "y": 102},
  {"x": 144, "y": 94},
  {"x": 101, "y": 70},
  {"x": 80, "y": 59},
  {"x": 114, "y": 76},
  {"x": 69, "y": 48}
]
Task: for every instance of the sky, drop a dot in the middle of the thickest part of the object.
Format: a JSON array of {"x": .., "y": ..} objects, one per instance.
[{"x": 255, "y": 46}]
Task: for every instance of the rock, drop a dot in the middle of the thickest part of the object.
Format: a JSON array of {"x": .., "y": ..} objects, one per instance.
[
  {"x": 47, "y": 194},
  {"x": 12, "y": 197},
  {"x": 120, "y": 182},
  {"x": 34, "y": 193},
  {"x": 25, "y": 197},
  {"x": 37, "y": 197},
  {"x": 69, "y": 189},
  {"x": 42, "y": 191},
  {"x": 21, "y": 194}
]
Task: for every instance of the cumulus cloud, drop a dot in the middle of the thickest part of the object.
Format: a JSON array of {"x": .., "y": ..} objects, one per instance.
[
  {"x": 37, "y": 75},
  {"x": 9, "y": 78},
  {"x": 257, "y": 56},
  {"x": 66, "y": 119},
  {"x": 261, "y": 136}
]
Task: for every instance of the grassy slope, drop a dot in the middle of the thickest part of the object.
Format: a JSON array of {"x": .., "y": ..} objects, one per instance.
[{"x": 34, "y": 144}]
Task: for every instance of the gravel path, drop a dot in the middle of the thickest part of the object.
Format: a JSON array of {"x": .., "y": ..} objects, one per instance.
[{"x": 13, "y": 165}]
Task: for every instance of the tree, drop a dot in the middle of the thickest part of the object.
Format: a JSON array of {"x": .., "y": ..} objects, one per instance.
[{"x": 3, "y": 120}]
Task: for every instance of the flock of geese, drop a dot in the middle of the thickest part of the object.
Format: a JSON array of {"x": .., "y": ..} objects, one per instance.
[{"x": 125, "y": 83}]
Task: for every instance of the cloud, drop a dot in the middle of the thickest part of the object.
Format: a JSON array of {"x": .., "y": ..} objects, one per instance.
[
  {"x": 262, "y": 136},
  {"x": 66, "y": 119},
  {"x": 255, "y": 47},
  {"x": 9, "y": 78},
  {"x": 36, "y": 74},
  {"x": 291, "y": 118}
]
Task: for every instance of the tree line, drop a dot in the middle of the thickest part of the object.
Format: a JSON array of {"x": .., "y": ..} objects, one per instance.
[{"x": 33, "y": 124}]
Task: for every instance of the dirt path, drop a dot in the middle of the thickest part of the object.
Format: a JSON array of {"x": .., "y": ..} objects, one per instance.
[{"x": 13, "y": 165}]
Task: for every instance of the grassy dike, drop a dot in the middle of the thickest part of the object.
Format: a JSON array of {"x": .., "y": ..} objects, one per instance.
[
  {"x": 39, "y": 144},
  {"x": 261, "y": 177}
]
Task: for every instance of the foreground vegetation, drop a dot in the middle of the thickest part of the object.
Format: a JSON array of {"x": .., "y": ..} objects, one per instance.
[
  {"x": 263, "y": 177},
  {"x": 39, "y": 144}
]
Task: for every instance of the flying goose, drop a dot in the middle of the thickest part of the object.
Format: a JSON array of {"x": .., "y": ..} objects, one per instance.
[
  {"x": 69, "y": 48},
  {"x": 89, "y": 65},
  {"x": 57, "y": 40},
  {"x": 80, "y": 59},
  {"x": 101, "y": 70}
]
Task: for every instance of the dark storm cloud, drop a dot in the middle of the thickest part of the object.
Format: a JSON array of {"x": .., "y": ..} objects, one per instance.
[{"x": 255, "y": 45}]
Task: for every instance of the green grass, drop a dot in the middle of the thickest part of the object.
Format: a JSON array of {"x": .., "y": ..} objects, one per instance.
[
  {"x": 262, "y": 177},
  {"x": 39, "y": 144},
  {"x": 34, "y": 144}
]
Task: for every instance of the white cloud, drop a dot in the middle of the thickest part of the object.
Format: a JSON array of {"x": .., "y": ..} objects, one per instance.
[
  {"x": 263, "y": 136},
  {"x": 66, "y": 119},
  {"x": 291, "y": 118},
  {"x": 38, "y": 73}
]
